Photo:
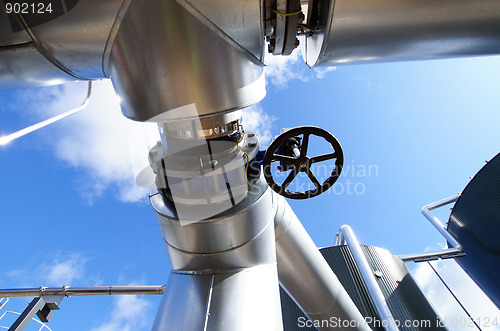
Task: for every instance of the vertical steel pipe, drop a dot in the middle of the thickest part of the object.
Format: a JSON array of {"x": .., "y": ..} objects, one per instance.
[
  {"x": 346, "y": 236},
  {"x": 224, "y": 268}
]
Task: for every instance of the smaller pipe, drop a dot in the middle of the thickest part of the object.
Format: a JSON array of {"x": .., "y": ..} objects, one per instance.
[
  {"x": 426, "y": 210},
  {"x": 86, "y": 290},
  {"x": 346, "y": 236},
  {"x": 4, "y": 140},
  {"x": 456, "y": 250}
]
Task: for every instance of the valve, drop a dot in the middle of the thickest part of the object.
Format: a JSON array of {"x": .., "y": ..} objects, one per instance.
[{"x": 290, "y": 149}]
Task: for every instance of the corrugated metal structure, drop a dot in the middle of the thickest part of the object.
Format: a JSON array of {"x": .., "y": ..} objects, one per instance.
[
  {"x": 475, "y": 222},
  {"x": 410, "y": 308}
]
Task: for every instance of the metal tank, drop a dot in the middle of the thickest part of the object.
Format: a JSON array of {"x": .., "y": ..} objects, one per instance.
[
  {"x": 401, "y": 294},
  {"x": 475, "y": 223}
]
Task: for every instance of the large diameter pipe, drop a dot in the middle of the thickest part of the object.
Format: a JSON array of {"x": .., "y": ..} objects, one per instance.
[
  {"x": 224, "y": 273},
  {"x": 307, "y": 277},
  {"x": 187, "y": 62},
  {"x": 243, "y": 299},
  {"x": 368, "y": 31}
]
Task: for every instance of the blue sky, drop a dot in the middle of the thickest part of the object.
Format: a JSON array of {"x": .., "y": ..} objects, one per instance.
[{"x": 71, "y": 214}]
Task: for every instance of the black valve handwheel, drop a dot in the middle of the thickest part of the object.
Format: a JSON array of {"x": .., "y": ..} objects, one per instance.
[{"x": 302, "y": 162}]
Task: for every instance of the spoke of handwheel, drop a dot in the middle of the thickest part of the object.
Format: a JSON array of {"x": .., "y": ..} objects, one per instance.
[
  {"x": 283, "y": 158},
  {"x": 289, "y": 179},
  {"x": 323, "y": 157},
  {"x": 313, "y": 178},
  {"x": 305, "y": 143}
]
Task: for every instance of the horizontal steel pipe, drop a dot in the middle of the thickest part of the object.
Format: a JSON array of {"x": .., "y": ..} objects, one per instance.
[
  {"x": 85, "y": 290},
  {"x": 368, "y": 31}
]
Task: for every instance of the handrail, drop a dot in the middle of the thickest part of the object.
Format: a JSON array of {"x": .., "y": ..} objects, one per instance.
[{"x": 456, "y": 249}]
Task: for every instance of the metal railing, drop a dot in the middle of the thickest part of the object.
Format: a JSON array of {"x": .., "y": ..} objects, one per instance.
[
  {"x": 456, "y": 250},
  {"x": 3, "y": 302},
  {"x": 42, "y": 325}
]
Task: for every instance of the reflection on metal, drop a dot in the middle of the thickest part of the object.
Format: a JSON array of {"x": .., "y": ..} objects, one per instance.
[
  {"x": 69, "y": 291},
  {"x": 23, "y": 66},
  {"x": 245, "y": 299},
  {"x": 239, "y": 22},
  {"x": 453, "y": 295},
  {"x": 305, "y": 275},
  {"x": 8, "y": 138},
  {"x": 456, "y": 250},
  {"x": 347, "y": 237},
  {"x": 359, "y": 31}
]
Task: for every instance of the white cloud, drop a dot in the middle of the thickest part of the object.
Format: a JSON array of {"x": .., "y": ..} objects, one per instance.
[
  {"x": 256, "y": 120},
  {"x": 469, "y": 294},
  {"x": 280, "y": 70},
  {"x": 65, "y": 271},
  {"x": 61, "y": 269},
  {"x": 129, "y": 312},
  {"x": 97, "y": 141},
  {"x": 322, "y": 72}
]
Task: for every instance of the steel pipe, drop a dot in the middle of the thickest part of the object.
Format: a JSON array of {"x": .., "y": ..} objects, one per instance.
[
  {"x": 369, "y": 31},
  {"x": 456, "y": 249},
  {"x": 346, "y": 236},
  {"x": 85, "y": 290},
  {"x": 306, "y": 276},
  {"x": 224, "y": 273}
]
